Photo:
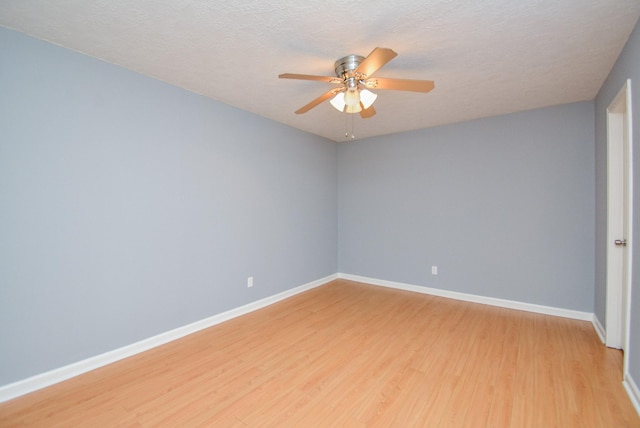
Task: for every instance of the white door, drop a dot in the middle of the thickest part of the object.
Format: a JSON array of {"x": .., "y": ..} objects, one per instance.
[{"x": 619, "y": 182}]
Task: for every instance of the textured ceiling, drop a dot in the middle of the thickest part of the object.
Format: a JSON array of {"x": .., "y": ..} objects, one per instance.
[{"x": 486, "y": 57}]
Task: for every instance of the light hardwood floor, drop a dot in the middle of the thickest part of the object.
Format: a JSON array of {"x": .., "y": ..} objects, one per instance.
[{"x": 350, "y": 354}]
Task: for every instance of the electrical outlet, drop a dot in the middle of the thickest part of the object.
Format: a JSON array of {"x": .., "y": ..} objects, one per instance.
[
  {"x": 434, "y": 270},
  {"x": 250, "y": 282}
]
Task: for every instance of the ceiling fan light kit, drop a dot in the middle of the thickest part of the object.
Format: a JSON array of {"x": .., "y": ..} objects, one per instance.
[
  {"x": 354, "y": 79},
  {"x": 364, "y": 97}
]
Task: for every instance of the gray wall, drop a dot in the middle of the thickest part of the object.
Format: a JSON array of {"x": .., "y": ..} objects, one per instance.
[
  {"x": 627, "y": 66},
  {"x": 503, "y": 206},
  {"x": 129, "y": 207}
]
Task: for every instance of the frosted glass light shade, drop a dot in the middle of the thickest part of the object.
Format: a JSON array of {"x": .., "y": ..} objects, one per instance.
[
  {"x": 352, "y": 97},
  {"x": 338, "y": 101},
  {"x": 353, "y": 109},
  {"x": 367, "y": 98}
]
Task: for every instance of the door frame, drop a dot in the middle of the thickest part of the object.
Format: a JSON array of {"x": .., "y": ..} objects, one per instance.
[{"x": 619, "y": 154}]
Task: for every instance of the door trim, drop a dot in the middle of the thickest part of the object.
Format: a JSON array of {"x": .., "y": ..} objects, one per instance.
[{"x": 619, "y": 138}]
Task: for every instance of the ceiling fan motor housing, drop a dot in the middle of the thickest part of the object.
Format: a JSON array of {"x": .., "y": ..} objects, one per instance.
[{"x": 346, "y": 66}]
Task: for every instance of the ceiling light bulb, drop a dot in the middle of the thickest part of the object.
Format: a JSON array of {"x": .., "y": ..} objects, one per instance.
[
  {"x": 367, "y": 98},
  {"x": 352, "y": 97},
  {"x": 338, "y": 101}
]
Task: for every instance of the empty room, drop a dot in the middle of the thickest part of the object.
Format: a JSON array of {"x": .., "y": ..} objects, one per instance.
[{"x": 320, "y": 213}]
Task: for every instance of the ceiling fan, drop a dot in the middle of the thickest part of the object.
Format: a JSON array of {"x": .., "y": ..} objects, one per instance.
[{"x": 354, "y": 79}]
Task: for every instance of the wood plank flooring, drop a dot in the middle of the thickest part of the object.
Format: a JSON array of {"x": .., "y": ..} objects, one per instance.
[{"x": 354, "y": 355}]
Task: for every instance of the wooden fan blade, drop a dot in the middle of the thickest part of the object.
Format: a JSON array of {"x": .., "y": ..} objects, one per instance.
[
  {"x": 318, "y": 100},
  {"x": 327, "y": 79},
  {"x": 400, "y": 84},
  {"x": 376, "y": 59},
  {"x": 367, "y": 113}
]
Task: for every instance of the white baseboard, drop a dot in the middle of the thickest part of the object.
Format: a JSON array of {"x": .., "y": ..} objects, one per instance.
[
  {"x": 22, "y": 387},
  {"x": 597, "y": 325},
  {"x": 509, "y": 304},
  {"x": 633, "y": 391}
]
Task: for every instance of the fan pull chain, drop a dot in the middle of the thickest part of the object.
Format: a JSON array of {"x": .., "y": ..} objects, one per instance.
[
  {"x": 348, "y": 125},
  {"x": 352, "y": 134}
]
